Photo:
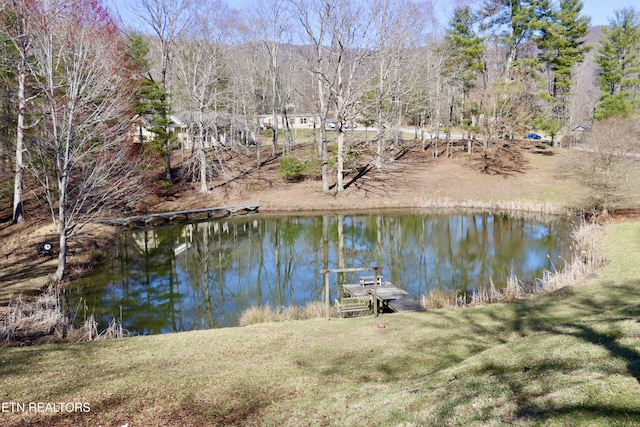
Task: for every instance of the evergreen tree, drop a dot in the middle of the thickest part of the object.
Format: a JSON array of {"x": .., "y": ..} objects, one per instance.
[
  {"x": 465, "y": 49},
  {"x": 619, "y": 61},
  {"x": 510, "y": 23},
  {"x": 561, "y": 43},
  {"x": 151, "y": 99}
]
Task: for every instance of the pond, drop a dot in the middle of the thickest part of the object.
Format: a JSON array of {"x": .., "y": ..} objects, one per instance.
[{"x": 205, "y": 274}]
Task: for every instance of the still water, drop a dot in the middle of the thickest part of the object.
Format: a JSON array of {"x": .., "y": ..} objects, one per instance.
[{"x": 203, "y": 275}]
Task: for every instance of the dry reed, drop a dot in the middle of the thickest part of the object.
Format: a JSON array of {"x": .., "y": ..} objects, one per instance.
[
  {"x": 265, "y": 313},
  {"x": 43, "y": 320},
  {"x": 28, "y": 320},
  {"x": 543, "y": 208},
  {"x": 575, "y": 272},
  {"x": 442, "y": 298}
]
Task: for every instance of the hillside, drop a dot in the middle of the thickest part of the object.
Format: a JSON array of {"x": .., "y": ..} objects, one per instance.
[{"x": 416, "y": 179}]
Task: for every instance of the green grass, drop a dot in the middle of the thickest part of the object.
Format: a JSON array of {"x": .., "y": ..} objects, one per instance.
[
  {"x": 569, "y": 358},
  {"x": 311, "y": 135}
]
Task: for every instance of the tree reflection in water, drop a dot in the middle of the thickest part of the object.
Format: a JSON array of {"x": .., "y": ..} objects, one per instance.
[{"x": 203, "y": 275}]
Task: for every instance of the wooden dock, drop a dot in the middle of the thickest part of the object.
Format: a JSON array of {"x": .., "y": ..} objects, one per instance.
[
  {"x": 153, "y": 220},
  {"x": 388, "y": 297}
]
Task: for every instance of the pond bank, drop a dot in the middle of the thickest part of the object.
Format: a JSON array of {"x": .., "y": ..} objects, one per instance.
[{"x": 564, "y": 359}]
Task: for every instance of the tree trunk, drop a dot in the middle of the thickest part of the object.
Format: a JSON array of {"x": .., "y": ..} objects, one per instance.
[
  {"x": 202, "y": 158},
  {"x": 340, "y": 163},
  {"x": 19, "y": 172},
  {"x": 167, "y": 158},
  {"x": 62, "y": 256},
  {"x": 325, "y": 160},
  {"x": 62, "y": 226}
]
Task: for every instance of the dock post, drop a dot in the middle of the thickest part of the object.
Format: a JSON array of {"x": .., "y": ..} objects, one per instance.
[
  {"x": 326, "y": 292},
  {"x": 375, "y": 291}
]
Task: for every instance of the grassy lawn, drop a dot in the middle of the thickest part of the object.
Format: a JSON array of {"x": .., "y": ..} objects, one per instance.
[{"x": 571, "y": 358}]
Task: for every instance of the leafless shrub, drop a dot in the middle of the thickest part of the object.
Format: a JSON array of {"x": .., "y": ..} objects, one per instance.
[
  {"x": 608, "y": 162},
  {"x": 503, "y": 160}
]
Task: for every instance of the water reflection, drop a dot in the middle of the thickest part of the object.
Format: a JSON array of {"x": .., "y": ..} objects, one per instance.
[{"x": 203, "y": 275}]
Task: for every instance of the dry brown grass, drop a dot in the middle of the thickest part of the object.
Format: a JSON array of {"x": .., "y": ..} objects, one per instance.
[
  {"x": 265, "y": 313},
  {"x": 585, "y": 261},
  {"x": 442, "y": 298},
  {"x": 31, "y": 320},
  {"x": 43, "y": 320},
  {"x": 513, "y": 207}
]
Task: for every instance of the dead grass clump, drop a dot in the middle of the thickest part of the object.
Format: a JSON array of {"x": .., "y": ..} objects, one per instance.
[
  {"x": 487, "y": 295},
  {"x": 257, "y": 314},
  {"x": 113, "y": 331},
  {"x": 314, "y": 310},
  {"x": 31, "y": 320},
  {"x": 265, "y": 313},
  {"x": 43, "y": 320},
  {"x": 585, "y": 260},
  {"x": 442, "y": 298},
  {"x": 537, "y": 211}
]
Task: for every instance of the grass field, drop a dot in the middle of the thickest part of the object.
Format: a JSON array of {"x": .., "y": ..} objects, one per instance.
[{"x": 571, "y": 358}]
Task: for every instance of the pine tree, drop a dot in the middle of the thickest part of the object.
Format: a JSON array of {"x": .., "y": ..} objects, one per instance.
[
  {"x": 151, "y": 98},
  {"x": 619, "y": 61},
  {"x": 465, "y": 49},
  {"x": 561, "y": 42},
  {"x": 510, "y": 23}
]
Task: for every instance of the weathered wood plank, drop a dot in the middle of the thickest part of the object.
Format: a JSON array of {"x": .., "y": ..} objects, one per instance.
[
  {"x": 388, "y": 294},
  {"x": 179, "y": 216}
]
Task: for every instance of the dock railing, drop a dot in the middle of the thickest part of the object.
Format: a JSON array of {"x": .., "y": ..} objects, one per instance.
[{"x": 377, "y": 279}]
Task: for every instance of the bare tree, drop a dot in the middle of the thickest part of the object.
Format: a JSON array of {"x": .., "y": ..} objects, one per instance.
[
  {"x": 200, "y": 75},
  {"x": 79, "y": 155},
  {"x": 352, "y": 40},
  {"x": 273, "y": 24},
  {"x": 16, "y": 26},
  {"x": 314, "y": 18},
  {"x": 608, "y": 161},
  {"x": 246, "y": 73},
  {"x": 399, "y": 28}
]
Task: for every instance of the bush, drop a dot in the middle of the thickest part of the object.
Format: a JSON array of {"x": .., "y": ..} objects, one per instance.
[{"x": 291, "y": 168}]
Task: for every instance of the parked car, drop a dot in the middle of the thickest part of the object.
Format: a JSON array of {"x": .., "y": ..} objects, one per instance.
[{"x": 533, "y": 136}]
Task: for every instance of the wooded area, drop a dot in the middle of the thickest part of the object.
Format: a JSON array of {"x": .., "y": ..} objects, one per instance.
[{"x": 95, "y": 99}]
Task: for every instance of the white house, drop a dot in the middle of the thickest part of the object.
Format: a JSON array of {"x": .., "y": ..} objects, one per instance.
[
  {"x": 219, "y": 128},
  {"x": 296, "y": 121},
  {"x": 140, "y": 131}
]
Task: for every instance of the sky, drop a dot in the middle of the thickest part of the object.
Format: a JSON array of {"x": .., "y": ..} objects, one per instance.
[{"x": 600, "y": 11}]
